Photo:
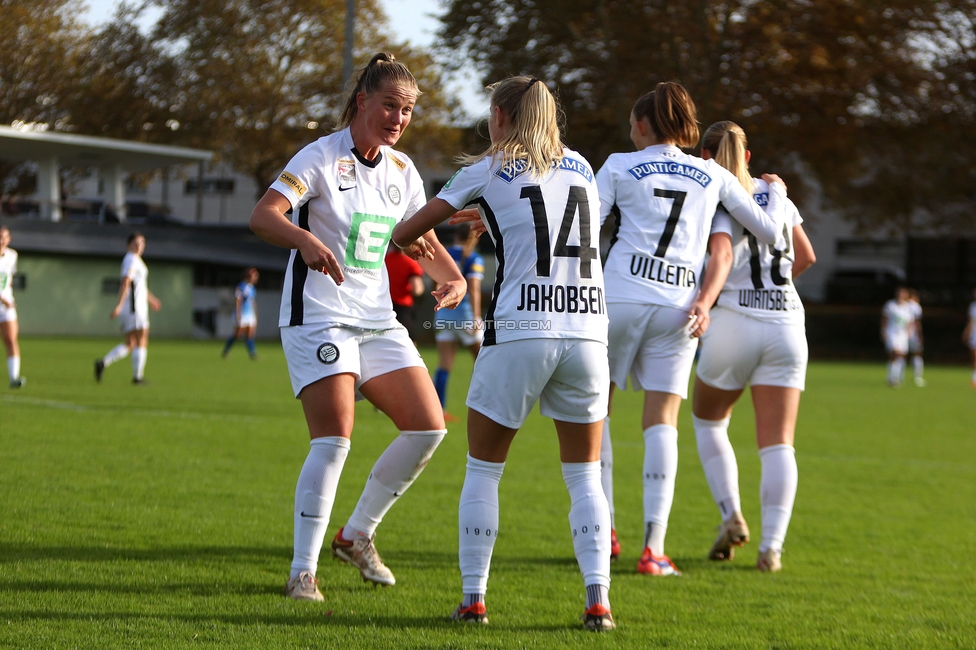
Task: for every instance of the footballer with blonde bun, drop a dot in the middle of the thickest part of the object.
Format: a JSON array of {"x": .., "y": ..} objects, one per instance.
[{"x": 757, "y": 336}]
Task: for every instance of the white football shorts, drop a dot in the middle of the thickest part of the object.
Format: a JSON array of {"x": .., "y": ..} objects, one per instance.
[
  {"x": 131, "y": 321},
  {"x": 569, "y": 377},
  {"x": 466, "y": 337},
  {"x": 739, "y": 350},
  {"x": 321, "y": 350},
  {"x": 972, "y": 339},
  {"x": 652, "y": 345},
  {"x": 248, "y": 321},
  {"x": 7, "y": 314},
  {"x": 896, "y": 342}
]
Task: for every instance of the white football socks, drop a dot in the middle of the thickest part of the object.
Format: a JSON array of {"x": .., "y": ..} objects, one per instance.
[
  {"x": 117, "y": 353},
  {"x": 314, "y": 496},
  {"x": 660, "y": 466},
  {"x": 589, "y": 521},
  {"x": 777, "y": 491},
  {"x": 139, "y": 362},
  {"x": 478, "y": 523},
  {"x": 13, "y": 368},
  {"x": 718, "y": 461},
  {"x": 395, "y": 471},
  {"x": 896, "y": 369},
  {"x": 606, "y": 467},
  {"x": 918, "y": 366}
]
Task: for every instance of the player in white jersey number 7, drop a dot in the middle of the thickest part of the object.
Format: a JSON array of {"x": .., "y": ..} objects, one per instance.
[
  {"x": 657, "y": 303},
  {"x": 545, "y": 331},
  {"x": 344, "y": 193}
]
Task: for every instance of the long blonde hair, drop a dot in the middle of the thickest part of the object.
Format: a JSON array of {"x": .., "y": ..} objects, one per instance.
[
  {"x": 382, "y": 68},
  {"x": 670, "y": 112},
  {"x": 535, "y": 119},
  {"x": 726, "y": 141}
]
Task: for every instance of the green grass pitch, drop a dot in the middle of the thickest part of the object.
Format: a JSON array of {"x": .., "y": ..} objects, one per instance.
[{"x": 160, "y": 516}]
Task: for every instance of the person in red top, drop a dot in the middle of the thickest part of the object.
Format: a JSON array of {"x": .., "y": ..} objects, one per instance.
[{"x": 406, "y": 284}]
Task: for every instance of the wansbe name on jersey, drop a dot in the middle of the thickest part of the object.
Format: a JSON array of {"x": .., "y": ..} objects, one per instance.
[
  {"x": 560, "y": 299},
  {"x": 657, "y": 270},
  {"x": 768, "y": 299}
]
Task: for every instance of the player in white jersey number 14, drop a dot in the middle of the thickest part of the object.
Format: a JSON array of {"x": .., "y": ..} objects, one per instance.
[{"x": 545, "y": 331}]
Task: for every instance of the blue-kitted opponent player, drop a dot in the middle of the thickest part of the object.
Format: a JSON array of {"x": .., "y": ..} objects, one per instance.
[
  {"x": 245, "y": 313},
  {"x": 461, "y": 325}
]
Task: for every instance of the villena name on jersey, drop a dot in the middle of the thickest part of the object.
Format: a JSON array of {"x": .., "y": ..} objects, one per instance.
[
  {"x": 768, "y": 299},
  {"x": 561, "y": 299},
  {"x": 516, "y": 168},
  {"x": 646, "y": 169},
  {"x": 657, "y": 270}
]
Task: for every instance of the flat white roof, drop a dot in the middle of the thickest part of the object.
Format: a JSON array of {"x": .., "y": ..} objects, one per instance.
[{"x": 93, "y": 151}]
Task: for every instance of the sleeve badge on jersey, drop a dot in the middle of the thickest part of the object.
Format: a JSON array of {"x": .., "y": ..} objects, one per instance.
[
  {"x": 346, "y": 168},
  {"x": 399, "y": 163},
  {"x": 293, "y": 183}
]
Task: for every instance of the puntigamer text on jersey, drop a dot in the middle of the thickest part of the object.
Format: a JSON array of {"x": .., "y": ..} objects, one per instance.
[
  {"x": 560, "y": 299},
  {"x": 646, "y": 169}
]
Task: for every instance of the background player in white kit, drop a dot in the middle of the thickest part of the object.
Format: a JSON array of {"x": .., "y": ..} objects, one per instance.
[
  {"x": 897, "y": 322},
  {"x": 916, "y": 340},
  {"x": 8, "y": 309},
  {"x": 545, "y": 331},
  {"x": 969, "y": 335},
  {"x": 345, "y": 192},
  {"x": 132, "y": 310},
  {"x": 657, "y": 302},
  {"x": 757, "y": 336}
]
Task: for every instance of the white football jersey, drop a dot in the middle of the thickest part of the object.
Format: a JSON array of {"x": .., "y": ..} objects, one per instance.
[
  {"x": 666, "y": 200},
  {"x": 351, "y": 205},
  {"x": 898, "y": 317},
  {"x": 137, "y": 300},
  {"x": 8, "y": 267},
  {"x": 548, "y": 282},
  {"x": 916, "y": 310},
  {"x": 760, "y": 283}
]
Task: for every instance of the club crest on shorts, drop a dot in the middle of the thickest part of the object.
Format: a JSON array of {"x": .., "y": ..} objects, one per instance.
[
  {"x": 328, "y": 353},
  {"x": 393, "y": 192}
]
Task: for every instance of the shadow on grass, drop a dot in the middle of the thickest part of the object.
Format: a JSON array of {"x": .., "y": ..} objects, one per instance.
[
  {"x": 313, "y": 617},
  {"x": 11, "y": 553}
]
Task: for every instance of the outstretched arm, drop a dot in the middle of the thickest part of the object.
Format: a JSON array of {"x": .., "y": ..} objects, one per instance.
[{"x": 269, "y": 222}]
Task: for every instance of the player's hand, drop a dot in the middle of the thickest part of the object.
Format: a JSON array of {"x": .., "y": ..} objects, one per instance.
[
  {"x": 7, "y": 303},
  {"x": 773, "y": 178},
  {"x": 698, "y": 320},
  {"x": 154, "y": 303},
  {"x": 318, "y": 257},
  {"x": 418, "y": 249},
  {"x": 450, "y": 294},
  {"x": 471, "y": 216},
  {"x": 115, "y": 312}
]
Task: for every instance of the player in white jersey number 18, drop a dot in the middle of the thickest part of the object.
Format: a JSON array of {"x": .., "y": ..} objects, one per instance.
[
  {"x": 757, "y": 336},
  {"x": 545, "y": 331}
]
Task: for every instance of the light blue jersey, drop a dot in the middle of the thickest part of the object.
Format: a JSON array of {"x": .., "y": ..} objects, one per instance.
[
  {"x": 245, "y": 293},
  {"x": 472, "y": 267}
]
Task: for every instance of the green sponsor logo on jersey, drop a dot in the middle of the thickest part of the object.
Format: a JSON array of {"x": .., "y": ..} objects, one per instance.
[
  {"x": 369, "y": 236},
  {"x": 4, "y": 280},
  {"x": 447, "y": 185}
]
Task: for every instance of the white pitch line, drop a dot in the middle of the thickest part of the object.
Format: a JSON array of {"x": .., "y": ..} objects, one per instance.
[{"x": 68, "y": 406}]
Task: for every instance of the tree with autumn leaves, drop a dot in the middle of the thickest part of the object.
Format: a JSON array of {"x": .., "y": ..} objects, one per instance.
[
  {"x": 872, "y": 102},
  {"x": 254, "y": 80}
]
